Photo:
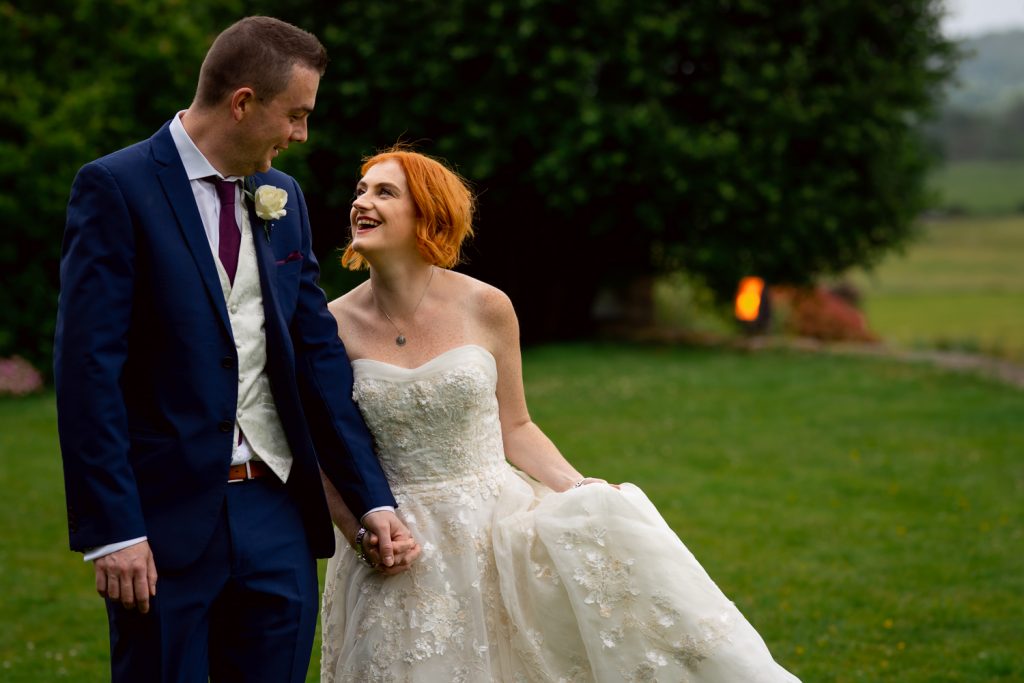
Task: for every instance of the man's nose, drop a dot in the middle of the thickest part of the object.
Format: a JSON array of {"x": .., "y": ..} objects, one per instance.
[{"x": 299, "y": 132}]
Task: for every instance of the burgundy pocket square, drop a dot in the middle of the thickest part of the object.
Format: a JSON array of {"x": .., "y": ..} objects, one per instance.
[{"x": 294, "y": 256}]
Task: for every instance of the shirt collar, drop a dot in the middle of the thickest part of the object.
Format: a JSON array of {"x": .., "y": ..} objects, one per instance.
[{"x": 196, "y": 165}]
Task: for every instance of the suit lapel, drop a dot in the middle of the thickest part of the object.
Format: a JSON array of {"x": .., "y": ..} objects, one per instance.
[
  {"x": 265, "y": 262},
  {"x": 183, "y": 203}
]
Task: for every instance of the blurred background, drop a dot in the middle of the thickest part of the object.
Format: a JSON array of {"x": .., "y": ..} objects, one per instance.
[
  {"x": 732, "y": 179},
  {"x": 633, "y": 161}
]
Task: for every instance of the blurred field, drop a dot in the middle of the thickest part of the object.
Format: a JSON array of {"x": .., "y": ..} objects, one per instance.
[
  {"x": 865, "y": 515},
  {"x": 960, "y": 286},
  {"x": 980, "y": 187}
]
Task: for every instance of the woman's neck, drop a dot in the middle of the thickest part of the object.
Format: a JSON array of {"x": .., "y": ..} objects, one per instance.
[{"x": 400, "y": 287}]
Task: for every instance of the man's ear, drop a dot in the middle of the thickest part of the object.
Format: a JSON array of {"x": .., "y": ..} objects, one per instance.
[{"x": 241, "y": 102}]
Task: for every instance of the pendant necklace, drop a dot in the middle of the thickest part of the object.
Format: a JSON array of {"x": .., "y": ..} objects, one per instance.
[{"x": 400, "y": 339}]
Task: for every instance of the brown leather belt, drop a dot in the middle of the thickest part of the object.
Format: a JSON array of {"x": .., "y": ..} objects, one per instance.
[{"x": 254, "y": 469}]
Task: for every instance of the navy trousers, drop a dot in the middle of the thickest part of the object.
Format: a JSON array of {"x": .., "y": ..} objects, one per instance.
[{"x": 245, "y": 611}]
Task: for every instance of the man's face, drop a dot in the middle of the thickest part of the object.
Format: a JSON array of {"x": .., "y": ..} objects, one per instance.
[{"x": 271, "y": 125}]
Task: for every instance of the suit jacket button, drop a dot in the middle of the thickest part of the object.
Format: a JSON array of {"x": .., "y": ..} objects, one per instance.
[
  {"x": 227, "y": 362},
  {"x": 225, "y": 426}
]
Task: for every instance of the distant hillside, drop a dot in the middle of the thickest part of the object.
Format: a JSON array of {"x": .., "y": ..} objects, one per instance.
[{"x": 991, "y": 76}]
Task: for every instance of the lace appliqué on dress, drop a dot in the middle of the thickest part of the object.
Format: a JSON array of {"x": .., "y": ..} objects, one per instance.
[
  {"x": 606, "y": 577},
  {"x": 516, "y": 583}
]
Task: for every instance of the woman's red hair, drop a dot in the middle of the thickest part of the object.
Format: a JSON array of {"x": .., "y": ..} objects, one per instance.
[{"x": 444, "y": 207}]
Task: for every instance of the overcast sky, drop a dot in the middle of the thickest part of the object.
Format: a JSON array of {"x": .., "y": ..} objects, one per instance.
[{"x": 974, "y": 17}]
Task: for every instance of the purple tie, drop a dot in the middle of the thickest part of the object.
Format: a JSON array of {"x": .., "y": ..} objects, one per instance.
[{"x": 230, "y": 237}]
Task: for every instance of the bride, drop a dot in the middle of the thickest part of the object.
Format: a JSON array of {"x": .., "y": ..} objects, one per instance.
[{"x": 527, "y": 570}]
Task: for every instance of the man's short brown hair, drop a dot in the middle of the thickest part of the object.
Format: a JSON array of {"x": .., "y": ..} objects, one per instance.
[{"x": 259, "y": 53}]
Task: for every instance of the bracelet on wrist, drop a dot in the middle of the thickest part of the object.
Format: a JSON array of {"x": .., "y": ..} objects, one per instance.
[{"x": 358, "y": 547}]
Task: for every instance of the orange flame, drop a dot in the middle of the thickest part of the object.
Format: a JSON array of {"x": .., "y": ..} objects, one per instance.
[{"x": 748, "y": 298}]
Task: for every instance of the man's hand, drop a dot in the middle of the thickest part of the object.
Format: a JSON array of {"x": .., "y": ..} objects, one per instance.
[
  {"x": 127, "y": 575},
  {"x": 389, "y": 542},
  {"x": 406, "y": 551}
]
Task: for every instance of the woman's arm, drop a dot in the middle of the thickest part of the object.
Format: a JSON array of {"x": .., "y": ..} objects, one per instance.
[
  {"x": 405, "y": 547},
  {"x": 526, "y": 446}
]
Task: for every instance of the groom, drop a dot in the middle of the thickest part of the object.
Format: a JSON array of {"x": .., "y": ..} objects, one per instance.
[{"x": 200, "y": 381}]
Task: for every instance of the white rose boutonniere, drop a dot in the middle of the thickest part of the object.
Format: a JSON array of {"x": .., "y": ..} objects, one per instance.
[{"x": 269, "y": 202}]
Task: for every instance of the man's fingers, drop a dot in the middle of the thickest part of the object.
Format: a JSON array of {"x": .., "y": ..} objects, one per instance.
[
  {"x": 402, "y": 545},
  {"x": 141, "y": 591},
  {"x": 113, "y": 586},
  {"x": 151, "y": 576},
  {"x": 384, "y": 525},
  {"x": 387, "y": 551},
  {"x": 128, "y": 576},
  {"x": 403, "y": 562},
  {"x": 127, "y": 591}
]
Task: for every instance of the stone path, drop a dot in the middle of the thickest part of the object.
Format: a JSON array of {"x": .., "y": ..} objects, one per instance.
[
  {"x": 996, "y": 368},
  {"x": 999, "y": 369}
]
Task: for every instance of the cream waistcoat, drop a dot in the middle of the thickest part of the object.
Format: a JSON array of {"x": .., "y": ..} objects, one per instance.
[{"x": 256, "y": 414}]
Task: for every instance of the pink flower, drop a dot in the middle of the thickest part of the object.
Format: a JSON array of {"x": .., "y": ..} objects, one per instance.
[{"x": 18, "y": 377}]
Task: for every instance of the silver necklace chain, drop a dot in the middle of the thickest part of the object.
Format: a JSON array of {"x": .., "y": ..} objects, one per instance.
[{"x": 400, "y": 339}]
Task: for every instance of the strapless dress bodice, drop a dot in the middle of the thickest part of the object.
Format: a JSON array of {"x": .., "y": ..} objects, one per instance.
[{"x": 435, "y": 424}]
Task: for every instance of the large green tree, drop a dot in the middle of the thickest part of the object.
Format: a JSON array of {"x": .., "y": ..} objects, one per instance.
[
  {"x": 78, "y": 79},
  {"x": 606, "y": 139},
  {"x": 612, "y": 138}
]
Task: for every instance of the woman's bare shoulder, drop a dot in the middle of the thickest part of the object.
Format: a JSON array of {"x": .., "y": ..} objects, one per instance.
[
  {"x": 349, "y": 302},
  {"x": 487, "y": 301},
  {"x": 351, "y": 311}
]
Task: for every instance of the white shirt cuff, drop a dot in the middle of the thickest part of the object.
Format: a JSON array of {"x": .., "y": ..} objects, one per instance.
[
  {"x": 370, "y": 512},
  {"x": 96, "y": 553}
]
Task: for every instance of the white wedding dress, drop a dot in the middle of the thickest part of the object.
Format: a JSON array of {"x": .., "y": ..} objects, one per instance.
[{"x": 516, "y": 583}]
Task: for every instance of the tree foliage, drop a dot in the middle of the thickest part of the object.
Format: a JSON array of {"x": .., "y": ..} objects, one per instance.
[
  {"x": 609, "y": 139},
  {"x": 78, "y": 79},
  {"x": 606, "y": 139}
]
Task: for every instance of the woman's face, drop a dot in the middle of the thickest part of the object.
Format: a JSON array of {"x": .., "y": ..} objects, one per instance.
[{"x": 383, "y": 214}]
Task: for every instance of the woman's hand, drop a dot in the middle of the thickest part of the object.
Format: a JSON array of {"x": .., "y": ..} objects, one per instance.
[{"x": 585, "y": 481}]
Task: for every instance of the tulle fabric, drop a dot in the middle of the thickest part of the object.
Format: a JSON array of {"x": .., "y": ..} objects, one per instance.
[{"x": 517, "y": 583}]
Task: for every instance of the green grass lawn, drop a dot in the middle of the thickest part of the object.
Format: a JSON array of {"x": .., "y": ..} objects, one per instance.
[
  {"x": 980, "y": 187},
  {"x": 960, "y": 286},
  {"x": 867, "y": 516}
]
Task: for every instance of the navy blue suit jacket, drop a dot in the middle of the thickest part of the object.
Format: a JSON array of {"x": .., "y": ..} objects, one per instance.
[{"x": 146, "y": 368}]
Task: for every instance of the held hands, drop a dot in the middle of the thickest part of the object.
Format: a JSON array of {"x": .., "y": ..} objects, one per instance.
[
  {"x": 388, "y": 546},
  {"x": 128, "y": 576}
]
